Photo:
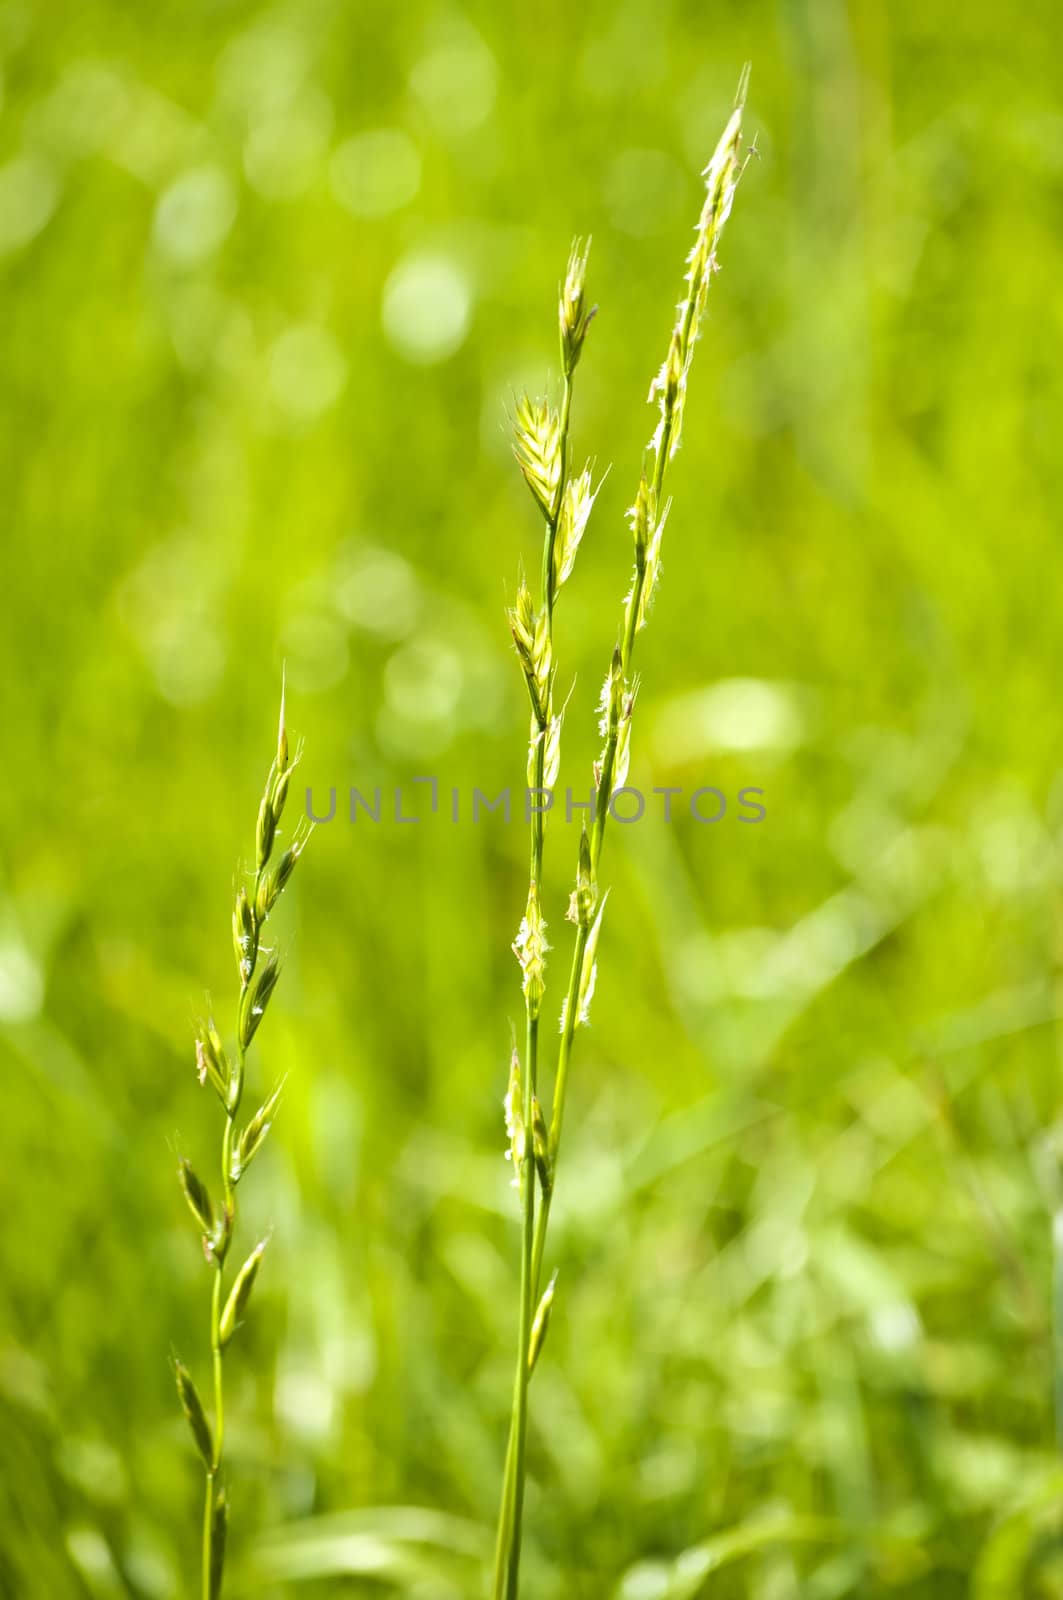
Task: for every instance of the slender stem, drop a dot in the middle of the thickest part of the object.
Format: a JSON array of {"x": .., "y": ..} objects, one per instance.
[
  {"x": 219, "y": 1425},
  {"x": 505, "y": 1519},
  {"x": 507, "y": 1549},
  {"x": 229, "y": 1204},
  {"x": 208, "y": 1517},
  {"x": 216, "y": 1353},
  {"x": 511, "y": 1512},
  {"x": 507, "y": 1553},
  {"x": 560, "y": 1083},
  {"x": 527, "y": 1290}
]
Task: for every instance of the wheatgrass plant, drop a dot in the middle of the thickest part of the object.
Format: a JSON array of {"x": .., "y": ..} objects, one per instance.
[
  {"x": 258, "y": 968},
  {"x": 566, "y": 501}
]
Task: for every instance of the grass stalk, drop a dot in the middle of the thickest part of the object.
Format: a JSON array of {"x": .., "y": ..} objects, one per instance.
[
  {"x": 542, "y": 449},
  {"x": 258, "y": 969},
  {"x": 566, "y": 503}
]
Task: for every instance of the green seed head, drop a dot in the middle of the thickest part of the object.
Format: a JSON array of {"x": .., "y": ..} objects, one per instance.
[
  {"x": 245, "y": 935},
  {"x": 531, "y": 635},
  {"x": 577, "y": 503},
  {"x": 622, "y": 759},
  {"x": 273, "y": 883},
  {"x": 267, "y": 826},
  {"x": 537, "y": 447},
  {"x": 240, "y": 1293},
  {"x": 721, "y": 180},
  {"x": 515, "y": 1130},
  {"x": 216, "y": 1244},
  {"x": 279, "y": 792},
  {"x": 552, "y": 750},
  {"x": 541, "y": 1324},
  {"x": 195, "y": 1192},
  {"x": 193, "y": 1410},
  {"x": 573, "y": 314},
  {"x": 585, "y": 894},
  {"x": 212, "y": 1064},
  {"x": 255, "y": 998},
  {"x": 541, "y": 1147},
  {"x": 530, "y": 949},
  {"x": 641, "y": 517},
  {"x": 588, "y": 973},
  {"x": 254, "y": 1135},
  {"x": 282, "y": 727},
  {"x": 611, "y": 699}
]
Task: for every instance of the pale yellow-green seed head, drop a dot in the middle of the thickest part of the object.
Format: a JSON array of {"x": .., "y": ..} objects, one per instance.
[
  {"x": 253, "y": 1136},
  {"x": 530, "y": 948},
  {"x": 577, "y": 503},
  {"x": 622, "y": 760},
  {"x": 531, "y": 636},
  {"x": 543, "y": 658},
  {"x": 537, "y": 447},
  {"x": 611, "y": 698},
  {"x": 552, "y": 750},
  {"x": 721, "y": 179},
  {"x": 588, "y": 973},
  {"x": 585, "y": 894},
  {"x": 512, "y": 1107},
  {"x": 642, "y": 517},
  {"x": 541, "y": 1147},
  {"x": 256, "y": 997},
  {"x": 282, "y": 727},
  {"x": 197, "y": 1197},
  {"x": 240, "y": 1293},
  {"x": 573, "y": 314},
  {"x": 212, "y": 1064},
  {"x": 541, "y": 1324}
]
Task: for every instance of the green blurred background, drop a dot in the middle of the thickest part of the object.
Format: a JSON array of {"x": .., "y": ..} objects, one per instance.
[{"x": 270, "y": 278}]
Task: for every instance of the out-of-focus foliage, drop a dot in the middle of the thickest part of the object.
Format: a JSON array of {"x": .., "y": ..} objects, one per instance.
[{"x": 270, "y": 277}]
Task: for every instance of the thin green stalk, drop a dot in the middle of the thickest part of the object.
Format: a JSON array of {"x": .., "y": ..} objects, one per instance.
[
  {"x": 519, "y": 1422},
  {"x": 564, "y": 1054},
  {"x": 258, "y": 979},
  {"x": 217, "y": 1348},
  {"x": 219, "y": 1380},
  {"x": 507, "y": 1553},
  {"x": 541, "y": 450},
  {"x": 507, "y": 1559},
  {"x": 208, "y": 1522}
]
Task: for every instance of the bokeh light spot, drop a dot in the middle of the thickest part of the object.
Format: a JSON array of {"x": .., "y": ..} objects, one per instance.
[
  {"x": 427, "y": 301},
  {"x": 194, "y": 215},
  {"x": 285, "y": 149},
  {"x": 29, "y": 193},
  {"x": 376, "y": 172},
  {"x": 456, "y": 82},
  {"x": 307, "y": 372}
]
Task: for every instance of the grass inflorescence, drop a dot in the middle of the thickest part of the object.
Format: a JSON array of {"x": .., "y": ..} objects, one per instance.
[
  {"x": 566, "y": 500},
  {"x": 258, "y": 969}
]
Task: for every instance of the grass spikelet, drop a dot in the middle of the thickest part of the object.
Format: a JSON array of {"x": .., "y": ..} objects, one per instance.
[{"x": 537, "y": 446}]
